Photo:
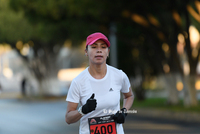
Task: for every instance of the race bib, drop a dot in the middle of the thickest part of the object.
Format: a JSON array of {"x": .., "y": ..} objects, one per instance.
[{"x": 102, "y": 125}]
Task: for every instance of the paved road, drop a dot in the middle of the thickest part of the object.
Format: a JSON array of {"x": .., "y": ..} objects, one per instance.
[
  {"x": 22, "y": 117},
  {"x": 147, "y": 125}
]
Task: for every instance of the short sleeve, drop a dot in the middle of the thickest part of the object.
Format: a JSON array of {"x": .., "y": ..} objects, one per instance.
[
  {"x": 73, "y": 93},
  {"x": 125, "y": 83}
]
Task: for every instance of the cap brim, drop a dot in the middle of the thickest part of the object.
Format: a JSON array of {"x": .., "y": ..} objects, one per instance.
[{"x": 106, "y": 41}]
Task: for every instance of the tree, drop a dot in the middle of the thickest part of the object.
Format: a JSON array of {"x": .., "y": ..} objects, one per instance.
[
  {"x": 147, "y": 31},
  {"x": 13, "y": 25},
  {"x": 161, "y": 23}
]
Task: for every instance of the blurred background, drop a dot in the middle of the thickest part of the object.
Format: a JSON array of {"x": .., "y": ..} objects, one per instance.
[{"x": 156, "y": 43}]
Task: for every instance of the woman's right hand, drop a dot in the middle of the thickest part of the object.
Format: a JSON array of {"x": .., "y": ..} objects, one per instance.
[{"x": 90, "y": 105}]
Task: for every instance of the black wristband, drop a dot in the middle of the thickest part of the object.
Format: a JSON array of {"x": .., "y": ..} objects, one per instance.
[{"x": 124, "y": 110}]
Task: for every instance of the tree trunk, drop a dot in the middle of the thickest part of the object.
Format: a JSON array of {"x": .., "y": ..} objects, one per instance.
[
  {"x": 173, "y": 98},
  {"x": 190, "y": 98}
]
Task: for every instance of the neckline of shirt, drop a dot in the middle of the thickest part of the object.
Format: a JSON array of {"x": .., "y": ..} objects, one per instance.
[{"x": 94, "y": 79}]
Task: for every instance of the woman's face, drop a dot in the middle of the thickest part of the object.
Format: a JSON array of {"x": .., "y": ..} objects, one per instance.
[{"x": 97, "y": 52}]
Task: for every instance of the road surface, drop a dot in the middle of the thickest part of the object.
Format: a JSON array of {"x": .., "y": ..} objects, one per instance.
[{"x": 48, "y": 117}]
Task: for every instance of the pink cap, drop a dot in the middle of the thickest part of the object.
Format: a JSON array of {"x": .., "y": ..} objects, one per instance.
[{"x": 92, "y": 38}]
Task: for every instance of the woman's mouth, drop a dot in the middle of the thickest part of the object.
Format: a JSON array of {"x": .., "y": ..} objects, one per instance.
[{"x": 98, "y": 56}]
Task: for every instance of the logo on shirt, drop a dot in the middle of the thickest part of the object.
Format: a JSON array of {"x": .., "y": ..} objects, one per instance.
[{"x": 111, "y": 90}]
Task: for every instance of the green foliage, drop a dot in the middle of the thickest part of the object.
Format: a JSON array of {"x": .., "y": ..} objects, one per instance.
[
  {"x": 61, "y": 19},
  {"x": 13, "y": 26},
  {"x": 151, "y": 102}
]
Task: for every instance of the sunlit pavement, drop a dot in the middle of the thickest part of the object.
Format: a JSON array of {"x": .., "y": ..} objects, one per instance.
[{"x": 18, "y": 116}]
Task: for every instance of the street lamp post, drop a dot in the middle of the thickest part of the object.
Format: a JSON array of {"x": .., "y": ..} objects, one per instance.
[{"x": 113, "y": 42}]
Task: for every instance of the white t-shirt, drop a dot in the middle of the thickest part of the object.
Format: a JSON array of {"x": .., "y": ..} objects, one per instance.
[{"x": 107, "y": 93}]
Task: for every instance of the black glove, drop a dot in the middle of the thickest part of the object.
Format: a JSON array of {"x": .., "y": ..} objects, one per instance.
[
  {"x": 120, "y": 116},
  {"x": 90, "y": 105}
]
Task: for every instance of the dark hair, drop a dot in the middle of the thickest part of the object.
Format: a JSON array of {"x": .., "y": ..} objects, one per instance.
[{"x": 87, "y": 48}]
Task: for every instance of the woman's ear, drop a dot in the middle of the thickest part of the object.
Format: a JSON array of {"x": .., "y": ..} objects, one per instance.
[
  {"x": 86, "y": 54},
  {"x": 108, "y": 52}
]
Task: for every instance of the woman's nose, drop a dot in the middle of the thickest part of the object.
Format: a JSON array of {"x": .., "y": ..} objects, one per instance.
[{"x": 99, "y": 50}]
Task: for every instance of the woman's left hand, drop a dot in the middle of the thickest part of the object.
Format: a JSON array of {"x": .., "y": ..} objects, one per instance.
[{"x": 120, "y": 116}]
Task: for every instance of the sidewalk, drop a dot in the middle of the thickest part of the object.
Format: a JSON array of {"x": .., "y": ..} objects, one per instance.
[
  {"x": 9, "y": 95},
  {"x": 190, "y": 117}
]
